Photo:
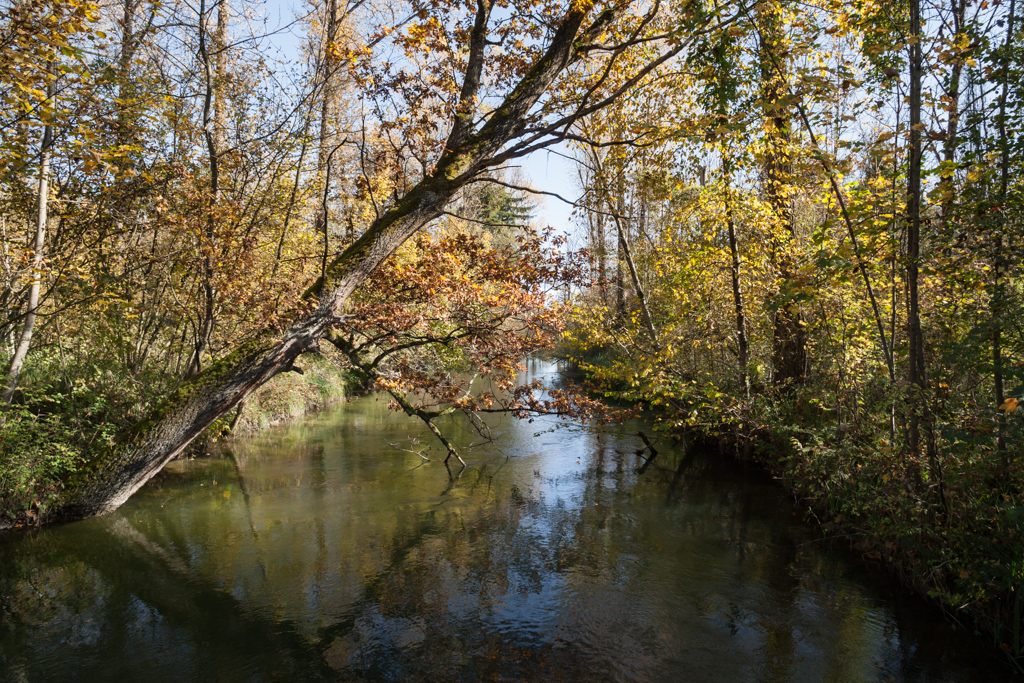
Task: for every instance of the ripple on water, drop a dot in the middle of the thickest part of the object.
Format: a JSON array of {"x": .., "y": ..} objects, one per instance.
[{"x": 334, "y": 556}]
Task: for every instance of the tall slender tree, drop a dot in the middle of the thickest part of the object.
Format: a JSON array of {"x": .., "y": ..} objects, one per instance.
[{"x": 38, "y": 252}]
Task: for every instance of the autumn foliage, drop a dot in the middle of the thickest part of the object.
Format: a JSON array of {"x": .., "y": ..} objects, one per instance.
[{"x": 445, "y": 324}]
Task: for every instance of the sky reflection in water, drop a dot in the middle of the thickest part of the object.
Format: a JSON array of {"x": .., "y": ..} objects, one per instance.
[{"x": 320, "y": 552}]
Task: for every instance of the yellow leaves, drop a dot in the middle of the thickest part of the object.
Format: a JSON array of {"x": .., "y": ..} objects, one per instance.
[
  {"x": 430, "y": 29},
  {"x": 1009, "y": 405}
]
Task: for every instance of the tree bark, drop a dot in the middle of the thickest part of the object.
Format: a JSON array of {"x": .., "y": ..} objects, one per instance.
[
  {"x": 743, "y": 354},
  {"x": 220, "y": 65},
  {"x": 38, "y": 257},
  {"x": 946, "y": 194},
  {"x": 634, "y": 276},
  {"x": 997, "y": 255},
  {"x": 328, "y": 95},
  {"x": 214, "y": 131},
  {"x": 920, "y": 411},
  {"x": 789, "y": 355},
  {"x": 600, "y": 241},
  {"x": 125, "y": 87}
]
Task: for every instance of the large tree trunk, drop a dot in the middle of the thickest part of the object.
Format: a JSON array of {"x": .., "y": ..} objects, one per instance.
[
  {"x": 789, "y": 354},
  {"x": 920, "y": 414},
  {"x": 113, "y": 475}
]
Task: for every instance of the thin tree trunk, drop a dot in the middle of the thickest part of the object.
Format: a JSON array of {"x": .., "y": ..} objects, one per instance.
[
  {"x": 946, "y": 193},
  {"x": 213, "y": 131},
  {"x": 634, "y": 276},
  {"x": 915, "y": 343},
  {"x": 38, "y": 257},
  {"x": 125, "y": 89},
  {"x": 220, "y": 63},
  {"x": 328, "y": 96},
  {"x": 920, "y": 412},
  {"x": 6, "y": 298},
  {"x": 620, "y": 280},
  {"x": 601, "y": 249},
  {"x": 291, "y": 200},
  {"x": 997, "y": 256},
  {"x": 743, "y": 355}
]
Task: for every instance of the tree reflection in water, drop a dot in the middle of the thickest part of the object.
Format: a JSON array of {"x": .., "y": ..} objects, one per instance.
[{"x": 319, "y": 552}]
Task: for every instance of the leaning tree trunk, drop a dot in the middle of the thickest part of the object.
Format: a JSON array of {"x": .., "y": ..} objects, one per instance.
[{"x": 115, "y": 474}]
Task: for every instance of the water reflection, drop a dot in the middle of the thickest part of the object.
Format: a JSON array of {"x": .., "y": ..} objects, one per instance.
[{"x": 320, "y": 552}]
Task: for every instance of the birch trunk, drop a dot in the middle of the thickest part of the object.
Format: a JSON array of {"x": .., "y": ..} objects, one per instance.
[{"x": 38, "y": 258}]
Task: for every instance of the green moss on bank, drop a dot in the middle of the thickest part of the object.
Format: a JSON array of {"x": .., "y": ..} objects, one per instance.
[{"x": 291, "y": 395}]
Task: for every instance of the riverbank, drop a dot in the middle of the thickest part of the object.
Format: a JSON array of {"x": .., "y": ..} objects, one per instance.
[
  {"x": 325, "y": 550},
  {"x": 948, "y": 527},
  {"x": 291, "y": 395},
  {"x": 48, "y": 435},
  {"x": 956, "y": 540}
]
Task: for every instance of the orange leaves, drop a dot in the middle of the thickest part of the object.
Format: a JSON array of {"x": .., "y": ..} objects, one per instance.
[{"x": 450, "y": 302}]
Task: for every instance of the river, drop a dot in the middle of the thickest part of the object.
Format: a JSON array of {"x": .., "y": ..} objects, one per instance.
[{"x": 325, "y": 550}]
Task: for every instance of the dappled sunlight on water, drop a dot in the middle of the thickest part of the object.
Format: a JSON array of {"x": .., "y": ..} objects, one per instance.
[{"x": 323, "y": 551}]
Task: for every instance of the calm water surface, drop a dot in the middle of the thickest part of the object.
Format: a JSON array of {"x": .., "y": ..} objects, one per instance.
[{"x": 320, "y": 551}]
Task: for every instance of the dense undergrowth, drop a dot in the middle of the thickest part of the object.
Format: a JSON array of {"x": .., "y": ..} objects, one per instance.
[
  {"x": 292, "y": 395},
  {"x": 954, "y": 531}
]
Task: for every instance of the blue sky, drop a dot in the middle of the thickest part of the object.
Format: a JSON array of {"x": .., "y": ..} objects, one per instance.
[
  {"x": 549, "y": 170},
  {"x": 545, "y": 170}
]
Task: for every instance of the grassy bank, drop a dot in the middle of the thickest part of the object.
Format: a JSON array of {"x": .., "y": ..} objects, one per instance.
[
  {"x": 293, "y": 395},
  {"x": 70, "y": 410}
]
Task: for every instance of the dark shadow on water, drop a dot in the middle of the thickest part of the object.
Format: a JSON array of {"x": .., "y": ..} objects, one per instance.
[{"x": 317, "y": 552}]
